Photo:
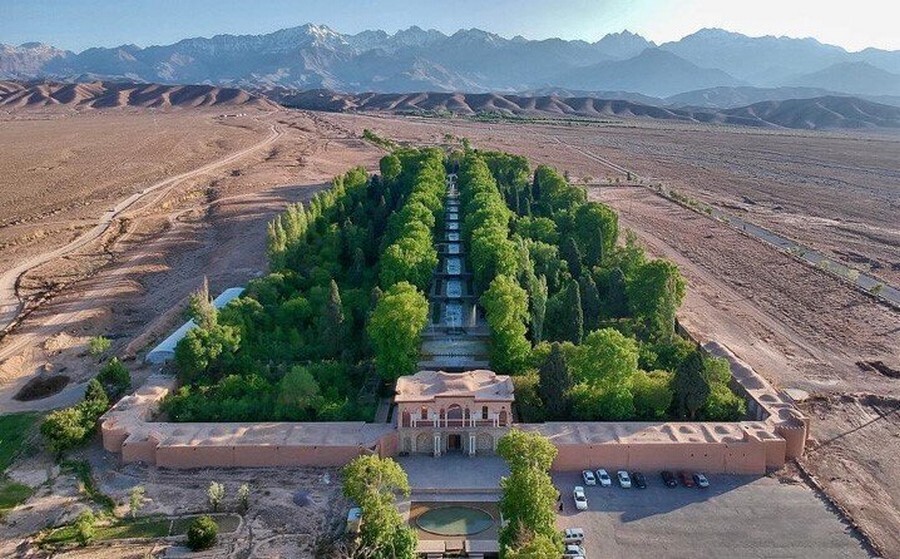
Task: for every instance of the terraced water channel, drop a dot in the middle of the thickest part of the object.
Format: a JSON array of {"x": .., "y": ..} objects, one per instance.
[{"x": 456, "y": 337}]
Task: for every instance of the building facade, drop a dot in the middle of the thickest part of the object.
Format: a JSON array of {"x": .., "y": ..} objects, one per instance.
[{"x": 439, "y": 413}]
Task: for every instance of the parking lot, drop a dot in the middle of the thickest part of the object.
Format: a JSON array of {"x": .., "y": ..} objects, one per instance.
[{"x": 736, "y": 517}]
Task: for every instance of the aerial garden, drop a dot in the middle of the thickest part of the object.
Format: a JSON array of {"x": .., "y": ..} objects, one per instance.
[{"x": 584, "y": 321}]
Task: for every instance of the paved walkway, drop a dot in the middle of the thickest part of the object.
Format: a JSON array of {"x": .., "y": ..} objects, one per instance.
[{"x": 454, "y": 473}]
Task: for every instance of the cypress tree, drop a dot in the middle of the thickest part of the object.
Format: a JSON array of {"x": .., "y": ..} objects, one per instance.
[
  {"x": 590, "y": 302},
  {"x": 554, "y": 382},
  {"x": 573, "y": 328},
  {"x": 332, "y": 328},
  {"x": 690, "y": 385},
  {"x": 569, "y": 251},
  {"x": 617, "y": 299},
  {"x": 538, "y": 311}
]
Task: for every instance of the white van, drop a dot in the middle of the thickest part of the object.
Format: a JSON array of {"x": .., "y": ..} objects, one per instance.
[{"x": 573, "y": 536}]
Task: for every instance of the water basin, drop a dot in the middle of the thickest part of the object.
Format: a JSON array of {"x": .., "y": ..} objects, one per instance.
[
  {"x": 454, "y": 288},
  {"x": 454, "y": 265},
  {"x": 455, "y": 521}
]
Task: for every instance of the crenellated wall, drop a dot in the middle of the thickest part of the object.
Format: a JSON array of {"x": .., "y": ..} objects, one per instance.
[{"x": 774, "y": 433}]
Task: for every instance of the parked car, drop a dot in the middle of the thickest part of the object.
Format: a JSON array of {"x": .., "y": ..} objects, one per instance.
[
  {"x": 624, "y": 479},
  {"x": 580, "y": 498},
  {"x": 603, "y": 478},
  {"x": 573, "y": 536},
  {"x": 686, "y": 479},
  {"x": 589, "y": 478},
  {"x": 669, "y": 478},
  {"x": 638, "y": 479},
  {"x": 700, "y": 480},
  {"x": 573, "y": 552}
]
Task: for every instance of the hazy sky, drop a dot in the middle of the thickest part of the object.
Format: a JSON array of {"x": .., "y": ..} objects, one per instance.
[{"x": 78, "y": 24}]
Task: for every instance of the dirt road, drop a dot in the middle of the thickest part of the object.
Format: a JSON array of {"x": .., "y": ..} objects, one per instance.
[{"x": 10, "y": 303}]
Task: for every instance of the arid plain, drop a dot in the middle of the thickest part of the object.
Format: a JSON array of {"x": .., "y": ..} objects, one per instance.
[{"x": 62, "y": 171}]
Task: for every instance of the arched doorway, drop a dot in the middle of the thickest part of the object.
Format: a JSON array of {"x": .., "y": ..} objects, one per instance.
[
  {"x": 424, "y": 443},
  {"x": 454, "y": 416}
]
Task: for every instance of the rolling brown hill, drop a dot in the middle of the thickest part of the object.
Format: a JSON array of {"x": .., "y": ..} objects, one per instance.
[
  {"x": 830, "y": 112},
  {"x": 102, "y": 95}
]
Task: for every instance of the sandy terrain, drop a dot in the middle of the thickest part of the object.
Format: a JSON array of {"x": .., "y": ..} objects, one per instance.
[
  {"x": 799, "y": 327},
  {"x": 158, "y": 250}
]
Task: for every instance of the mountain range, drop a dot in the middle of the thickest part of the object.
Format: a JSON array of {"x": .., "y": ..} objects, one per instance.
[
  {"x": 476, "y": 61},
  {"x": 819, "y": 113}
]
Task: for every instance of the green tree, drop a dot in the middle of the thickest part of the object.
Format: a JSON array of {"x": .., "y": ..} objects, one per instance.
[
  {"x": 596, "y": 230},
  {"x": 506, "y": 309},
  {"x": 538, "y": 308},
  {"x": 201, "y": 308},
  {"x": 690, "y": 385},
  {"x": 136, "y": 499},
  {"x": 603, "y": 368},
  {"x": 115, "y": 378},
  {"x": 723, "y": 405},
  {"x": 85, "y": 527},
  {"x": 655, "y": 292},
  {"x": 64, "y": 429},
  {"x": 368, "y": 477},
  {"x": 616, "y": 295},
  {"x": 395, "y": 327},
  {"x": 332, "y": 325},
  {"x": 202, "y": 533},
  {"x": 606, "y": 357},
  {"x": 652, "y": 394},
  {"x": 298, "y": 390},
  {"x": 527, "y": 545},
  {"x": 526, "y": 450},
  {"x": 590, "y": 302},
  {"x": 95, "y": 399},
  {"x": 205, "y": 352},
  {"x": 390, "y": 167},
  {"x": 572, "y": 255},
  {"x": 572, "y": 327},
  {"x": 528, "y": 496},
  {"x": 374, "y": 483},
  {"x": 554, "y": 384}
]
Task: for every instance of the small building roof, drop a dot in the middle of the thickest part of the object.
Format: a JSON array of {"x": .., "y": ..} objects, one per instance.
[{"x": 483, "y": 385}]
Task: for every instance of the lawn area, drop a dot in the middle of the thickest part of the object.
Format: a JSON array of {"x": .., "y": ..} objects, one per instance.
[
  {"x": 11, "y": 494},
  {"x": 14, "y": 431},
  {"x": 151, "y": 527},
  {"x": 140, "y": 528},
  {"x": 227, "y": 523}
]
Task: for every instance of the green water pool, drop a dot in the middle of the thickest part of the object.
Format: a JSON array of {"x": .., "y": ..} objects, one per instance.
[{"x": 455, "y": 521}]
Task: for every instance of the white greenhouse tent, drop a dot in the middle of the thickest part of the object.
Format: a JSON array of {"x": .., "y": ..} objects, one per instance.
[{"x": 166, "y": 350}]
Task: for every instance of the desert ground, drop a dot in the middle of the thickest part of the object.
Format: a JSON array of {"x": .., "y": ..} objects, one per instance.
[{"x": 799, "y": 327}]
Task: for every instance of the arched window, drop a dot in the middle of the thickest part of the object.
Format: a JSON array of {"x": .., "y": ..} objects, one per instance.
[{"x": 424, "y": 413}]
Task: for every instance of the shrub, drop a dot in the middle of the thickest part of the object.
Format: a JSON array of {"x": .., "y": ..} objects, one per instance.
[
  {"x": 98, "y": 345},
  {"x": 202, "y": 533},
  {"x": 85, "y": 527},
  {"x": 115, "y": 378}
]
